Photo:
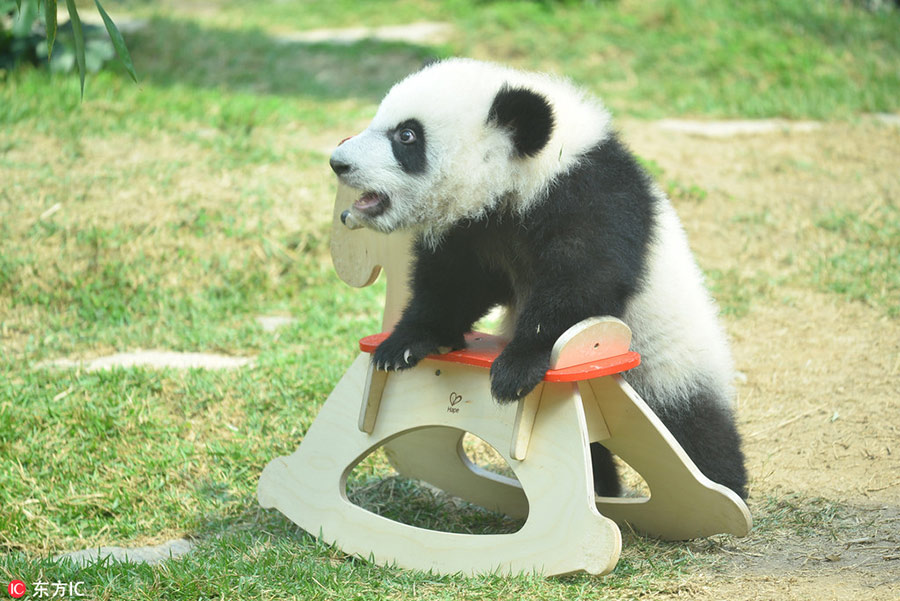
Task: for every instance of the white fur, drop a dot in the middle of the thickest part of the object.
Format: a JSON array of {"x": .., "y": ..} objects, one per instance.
[
  {"x": 471, "y": 166},
  {"x": 675, "y": 324}
]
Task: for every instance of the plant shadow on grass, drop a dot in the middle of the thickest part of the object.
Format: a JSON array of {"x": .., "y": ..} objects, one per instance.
[
  {"x": 409, "y": 502},
  {"x": 170, "y": 52},
  {"x": 419, "y": 505}
]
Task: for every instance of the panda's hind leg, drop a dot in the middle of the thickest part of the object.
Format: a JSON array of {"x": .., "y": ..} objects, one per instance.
[
  {"x": 606, "y": 476},
  {"x": 705, "y": 428}
]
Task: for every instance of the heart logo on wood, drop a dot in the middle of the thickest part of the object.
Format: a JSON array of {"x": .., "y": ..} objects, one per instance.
[{"x": 455, "y": 399}]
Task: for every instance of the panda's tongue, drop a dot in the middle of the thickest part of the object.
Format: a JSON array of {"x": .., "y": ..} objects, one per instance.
[
  {"x": 367, "y": 201},
  {"x": 372, "y": 204}
]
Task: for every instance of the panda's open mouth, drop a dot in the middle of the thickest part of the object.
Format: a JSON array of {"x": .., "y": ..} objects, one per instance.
[{"x": 372, "y": 204}]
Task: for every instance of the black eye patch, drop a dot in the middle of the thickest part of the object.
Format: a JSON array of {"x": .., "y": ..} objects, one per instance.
[{"x": 408, "y": 145}]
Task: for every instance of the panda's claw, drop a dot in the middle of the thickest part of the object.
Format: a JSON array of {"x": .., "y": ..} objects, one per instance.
[{"x": 402, "y": 351}]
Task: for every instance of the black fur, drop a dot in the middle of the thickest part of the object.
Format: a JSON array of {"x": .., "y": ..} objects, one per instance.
[
  {"x": 527, "y": 115},
  {"x": 510, "y": 259},
  {"x": 411, "y": 157},
  {"x": 706, "y": 431},
  {"x": 580, "y": 252},
  {"x": 606, "y": 476}
]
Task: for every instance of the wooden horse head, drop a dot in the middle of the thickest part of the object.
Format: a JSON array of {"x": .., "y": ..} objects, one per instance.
[{"x": 359, "y": 254}]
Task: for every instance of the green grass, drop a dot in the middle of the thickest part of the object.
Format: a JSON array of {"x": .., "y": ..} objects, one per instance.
[
  {"x": 754, "y": 59},
  {"x": 852, "y": 254},
  {"x": 268, "y": 561},
  {"x": 736, "y": 292},
  {"x": 132, "y": 455},
  {"x": 863, "y": 259},
  {"x": 790, "y": 514},
  {"x": 171, "y": 213},
  {"x": 304, "y": 14}
]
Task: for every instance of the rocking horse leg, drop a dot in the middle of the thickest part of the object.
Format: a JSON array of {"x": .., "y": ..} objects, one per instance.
[
  {"x": 683, "y": 503},
  {"x": 342, "y": 405},
  {"x": 563, "y": 533}
]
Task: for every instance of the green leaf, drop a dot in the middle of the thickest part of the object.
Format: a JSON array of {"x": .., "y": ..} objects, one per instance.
[
  {"x": 7, "y": 6},
  {"x": 117, "y": 41},
  {"x": 50, "y": 22},
  {"x": 79, "y": 40},
  {"x": 24, "y": 19}
]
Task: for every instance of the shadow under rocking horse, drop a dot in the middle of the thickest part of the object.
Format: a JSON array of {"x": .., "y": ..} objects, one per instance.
[{"x": 421, "y": 415}]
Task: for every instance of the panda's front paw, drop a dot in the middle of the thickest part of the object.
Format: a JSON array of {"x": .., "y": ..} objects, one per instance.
[
  {"x": 515, "y": 374},
  {"x": 404, "y": 348},
  {"x": 402, "y": 352}
]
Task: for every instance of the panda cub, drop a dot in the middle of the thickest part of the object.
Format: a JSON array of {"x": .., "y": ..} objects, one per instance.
[{"x": 522, "y": 195}]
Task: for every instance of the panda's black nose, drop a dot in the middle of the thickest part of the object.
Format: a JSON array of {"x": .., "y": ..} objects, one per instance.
[{"x": 338, "y": 166}]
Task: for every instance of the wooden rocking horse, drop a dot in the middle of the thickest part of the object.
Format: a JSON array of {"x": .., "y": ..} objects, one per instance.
[{"x": 421, "y": 415}]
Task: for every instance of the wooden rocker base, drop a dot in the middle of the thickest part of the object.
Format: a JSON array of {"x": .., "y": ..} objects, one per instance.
[{"x": 420, "y": 416}]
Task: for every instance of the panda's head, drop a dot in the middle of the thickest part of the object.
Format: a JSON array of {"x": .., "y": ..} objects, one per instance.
[{"x": 462, "y": 137}]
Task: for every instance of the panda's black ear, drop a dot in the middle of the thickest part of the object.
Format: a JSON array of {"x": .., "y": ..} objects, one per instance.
[{"x": 527, "y": 115}]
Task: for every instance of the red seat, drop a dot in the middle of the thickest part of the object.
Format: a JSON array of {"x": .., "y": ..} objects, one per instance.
[{"x": 482, "y": 349}]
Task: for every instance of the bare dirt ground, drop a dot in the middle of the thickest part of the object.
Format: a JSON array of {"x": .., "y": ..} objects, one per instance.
[{"x": 820, "y": 406}]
